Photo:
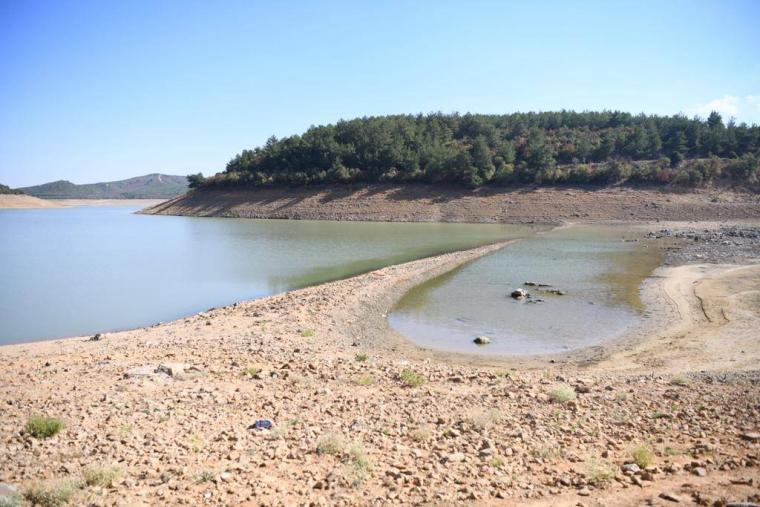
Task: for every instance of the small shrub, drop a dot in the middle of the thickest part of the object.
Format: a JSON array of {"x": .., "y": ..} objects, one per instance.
[
  {"x": 497, "y": 462},
  {"x": 365, "y": 380},
  {"x": 307, "y": 333},
  {"x": 43, "y": 427},
  {"x": 411, "y": 379},
  {"x": 13, "y": 500},
  {"x": 358, "y": 457},
  {"x": 672, "y": 451},
  {"x": 49, "y": 493},
  {"x": 252, "y": 371},
  {"x": 421, "y": 434},
  {"x": 359, "y": 464},
  {"x": 483, "y": 419},
  {"x": 599, "y": 472},
  {"x": 205, "y": 476},
  {"x": 562, "y": 394},
  {"x": 621, "y": 396},
  {"x": 679, "y": 381},
  {"x": 102, "y": 476},
  {"x": 361, "y": 357},
  {"x": 643, "y": 456},
  {"x": 330, "y": 443}
]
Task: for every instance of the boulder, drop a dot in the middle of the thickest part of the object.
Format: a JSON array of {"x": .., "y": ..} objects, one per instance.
[
  {"x": 519, "y": 294},
  {"x": 482, "y": 340}
]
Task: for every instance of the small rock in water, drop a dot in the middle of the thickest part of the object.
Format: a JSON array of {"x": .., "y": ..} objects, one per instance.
[
  {"x": 519, "y": 294},
  {"x": 557, "y": 292},
  {"x": 482, "y": 340}
]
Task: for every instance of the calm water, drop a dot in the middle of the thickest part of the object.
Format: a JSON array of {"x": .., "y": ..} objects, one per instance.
[
  {"x": 600, "y": 272},
  {"x": 77, "y": 271}
]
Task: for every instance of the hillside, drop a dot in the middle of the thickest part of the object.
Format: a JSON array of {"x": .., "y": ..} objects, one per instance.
[
  {"x": 599, "y": 148},
  {"x": 151, "y": 186},
  {"x": 6, "y": 190}
]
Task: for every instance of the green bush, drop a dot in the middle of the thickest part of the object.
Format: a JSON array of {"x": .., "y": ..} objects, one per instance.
[
  {"x": 411, "y": 379},
  {"x": 43, "y": 427}
]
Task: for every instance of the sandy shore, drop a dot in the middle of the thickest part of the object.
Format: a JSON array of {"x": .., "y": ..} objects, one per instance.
[
  {"x": 29, "y": 202},
  {"x": 361, "y": 416},
  {"x": 19, "y": 201},
  {"x": 109, "y": 202},
  {"x": 425, "y": 203}
]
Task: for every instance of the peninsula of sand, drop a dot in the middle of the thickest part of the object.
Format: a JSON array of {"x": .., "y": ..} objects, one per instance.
[
  {"x": 310, "y": 398},
  {"x": 21, "y": 201}
]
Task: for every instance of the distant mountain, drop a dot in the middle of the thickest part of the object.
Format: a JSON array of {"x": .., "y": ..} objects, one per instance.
[{"x": 151, "y": 186}]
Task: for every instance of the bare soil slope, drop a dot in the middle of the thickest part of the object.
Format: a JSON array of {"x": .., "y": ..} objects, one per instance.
[
  {"x": 26, "y": 201},
  {"x": 424, "y": 203}
]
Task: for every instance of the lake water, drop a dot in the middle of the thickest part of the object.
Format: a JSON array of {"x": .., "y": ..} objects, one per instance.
[
  {"x": 600, "y": 272},
  {"x": 82, "y": 270}
]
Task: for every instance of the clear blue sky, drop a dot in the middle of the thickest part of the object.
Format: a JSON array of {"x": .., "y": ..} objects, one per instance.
[{"x": 95, "y": 91}]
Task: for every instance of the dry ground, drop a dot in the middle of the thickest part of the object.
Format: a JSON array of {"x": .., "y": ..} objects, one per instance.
[
  {"x": 424, "y": 203},
  {"x": 363, "y": 417}
]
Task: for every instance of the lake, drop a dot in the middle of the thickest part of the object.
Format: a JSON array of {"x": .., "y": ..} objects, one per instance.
[
  {"x": 599, "y": 271},
  {"x": 81, "y": 270}
]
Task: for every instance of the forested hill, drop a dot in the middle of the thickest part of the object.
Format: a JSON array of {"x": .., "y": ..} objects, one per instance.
[
  {"x": 150, "y": 186},
  {"x": 473, "y": 150},
  {"x": 5, "y": 189}
]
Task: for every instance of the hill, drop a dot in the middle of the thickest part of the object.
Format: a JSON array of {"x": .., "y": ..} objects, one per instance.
[
  {"x": 151, "y": 186},
  {"x": 599, "y": 148},
  {"x": 6, "y": 190}
]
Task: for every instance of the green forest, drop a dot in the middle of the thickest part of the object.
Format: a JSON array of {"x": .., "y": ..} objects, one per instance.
[
  {"x": 474, "y": 150},
  {"x": 5, "y": 189}
]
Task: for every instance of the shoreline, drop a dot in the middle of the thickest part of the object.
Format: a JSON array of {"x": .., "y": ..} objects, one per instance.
[
  {"x": 23, "y": 201},
  {"x": 429, "y": 203},
  {"x": 331, "y": 343}
]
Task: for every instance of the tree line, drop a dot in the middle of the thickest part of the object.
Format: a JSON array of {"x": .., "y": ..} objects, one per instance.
[
  {"x": 474, "y": 150},
  {"x": 5, "y": 189}
]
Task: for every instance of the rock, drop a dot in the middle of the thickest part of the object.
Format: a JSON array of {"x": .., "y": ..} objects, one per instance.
[
  {"x": 482, "y": 340},
  {"x": 455, "y": 457},
  {"x": 174, "y": 370},
  {"x": 96, "y": 338},
  {"x": 519, "y": 294},
  {"x": 670, "y": 497},
  {"x": 630, "y": 468},
  {"x": 699, "y": 471},
  {"x": 751, "y": 436},
  {"x": 556, "y": 292},
  {"x": 140, "y": 371},
  {"x": 177, "y": 369},
  {"x": 584, "y": 492}
]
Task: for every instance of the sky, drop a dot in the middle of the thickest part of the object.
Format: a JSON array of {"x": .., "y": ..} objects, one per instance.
[{"x": 96, "y": 91}]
